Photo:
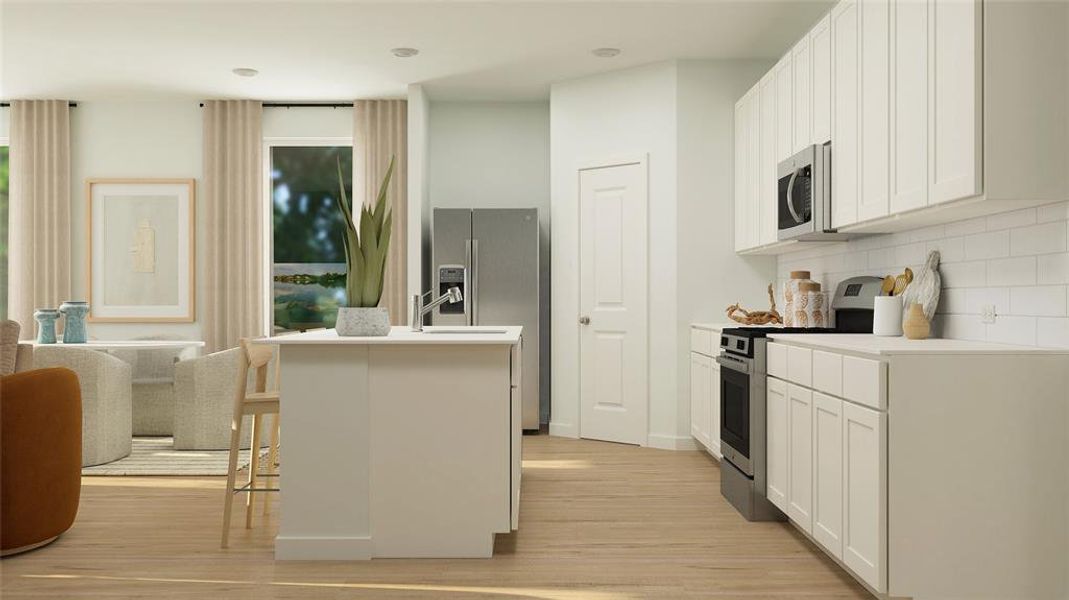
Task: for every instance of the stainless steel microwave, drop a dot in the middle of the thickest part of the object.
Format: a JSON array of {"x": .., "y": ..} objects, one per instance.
[{"x": 803, "y": 198}]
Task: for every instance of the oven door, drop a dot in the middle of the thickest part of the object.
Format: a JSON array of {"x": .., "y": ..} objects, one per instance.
[{"x": 735, "y": 374}]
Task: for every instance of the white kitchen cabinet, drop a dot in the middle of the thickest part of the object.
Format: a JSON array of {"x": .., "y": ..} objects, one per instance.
[
  {"x": 909, "y": 105},
  {"x": 714, "y": 408},
  {"x": 699, "y": 397},
  {"x": 800, "y": 456},
  {"x": 747, "y": 165},
  {"x": 828, "y": 473},
  {"x": 705, "y": 388},
  {"x": 784, "y": 109},
  {"x": 846, "y": 38},
  {"x": 872, "y": 200},
  {"x": 820, "y": 50},
  {"x": 802, "y": 103},
  {"x": 864, "y": 494},
  {"x": 766, "y": 188},
  {"x": 776, "y": 437}
]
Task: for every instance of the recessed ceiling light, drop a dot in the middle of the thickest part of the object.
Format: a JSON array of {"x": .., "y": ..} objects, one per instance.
[
  {"x": 605, "y": 52},
  {"x": 245, "y": 72},
  {"x": 404, "y": 52}
]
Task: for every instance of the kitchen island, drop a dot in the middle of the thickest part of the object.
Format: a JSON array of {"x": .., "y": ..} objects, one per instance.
[{"x": 406, "y": 445}]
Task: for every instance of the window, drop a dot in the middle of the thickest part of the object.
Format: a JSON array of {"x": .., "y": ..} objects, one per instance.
[
  {"x": 3, "y": 228},
  {"x": 308, "y": 266}
]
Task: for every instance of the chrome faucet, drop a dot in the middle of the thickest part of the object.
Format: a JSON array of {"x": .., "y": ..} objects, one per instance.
[{"x": 452, "y": 296}]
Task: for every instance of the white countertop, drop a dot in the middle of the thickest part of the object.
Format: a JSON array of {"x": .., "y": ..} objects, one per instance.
[
  {"x": 130, "y": 344},
  {"x": 881, "y": 346},
  {"x": 507, "y": 335},
  {"x": 715, "y": 326}
]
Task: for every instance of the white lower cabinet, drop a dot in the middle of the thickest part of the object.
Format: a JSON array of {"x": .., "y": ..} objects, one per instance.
[
  {"x": 776, "y": 453},
  {"x": 714, "y": 408},
  {"x": 800, "y": 456},
  {"x": 864, "y": 494},
  {"x": 828, "y": 473},
  {"x": 705, "y": 389},
  {"x": 699, "y": 398}
]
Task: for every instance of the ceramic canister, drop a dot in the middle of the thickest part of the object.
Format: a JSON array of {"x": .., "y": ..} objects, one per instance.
[
  {"x": 887, "y": 316},
  {"x": 791, "y": 295}
]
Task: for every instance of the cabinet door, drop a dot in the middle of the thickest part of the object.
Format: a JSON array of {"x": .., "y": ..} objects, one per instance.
[
  {"x": 714, "y": 408},
  {"x": 753, "y": 165},
  {"x": 784, "y": 109},
  {"x": 864, "y": 494},
  {"x": 954, "y": 140},
  {"x": 820, "y": 49},
  {"x": 909, "y": 105},
  {"x": 776, "y": 443},
  {"x": 742, "y": 141},
  {"x": 801, "y": 57},
  {"x": 828, "y": 473},
  {"x": 766, "y": 188},
  {"x": 699, "y": 398},
  {"x": 844, "y": 124},
  {"x": 873, "y": 199},
  {"x": 800, "y": 456}
]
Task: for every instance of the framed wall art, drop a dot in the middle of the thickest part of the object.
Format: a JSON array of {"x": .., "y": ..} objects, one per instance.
[{"x": 141, "y": 263}]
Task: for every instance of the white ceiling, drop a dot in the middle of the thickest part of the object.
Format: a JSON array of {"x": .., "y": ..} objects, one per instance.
[{"x": 305, "y": 50}]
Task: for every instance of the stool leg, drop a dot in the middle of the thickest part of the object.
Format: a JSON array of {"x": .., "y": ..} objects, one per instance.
[
  {"x": 272, "y": 459},
  {"x": 254, "y": 469},
  {"x": 231, "y": 474}
]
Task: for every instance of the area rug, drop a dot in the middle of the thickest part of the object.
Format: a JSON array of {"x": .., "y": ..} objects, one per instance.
[{"x": 157, "y": 456}]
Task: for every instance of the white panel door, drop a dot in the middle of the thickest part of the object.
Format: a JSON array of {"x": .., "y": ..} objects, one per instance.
[
  {"x": 613, "y": 349},
  {"x": 909, "y": 105},
  {"x": 714, "y": 408},
  {"x": 845, "y": 109},
  {"x": 954, "y": 100},
  {"x": 699, "y": 398},
  {"x": 784, "y": 109},
  {"x": 803, "y": 101},
  {"x": 864, "y": 494},
  {"x": 820, "y": 49},
  {"x": 828, "y": 473},
  {"x": 766, "y": 187},
  {"x": 873, "y": 200},
  {"x": 800, "y": 456},
  {"x": 776, "y": 443},
  {"x": 742, "y": 156}
]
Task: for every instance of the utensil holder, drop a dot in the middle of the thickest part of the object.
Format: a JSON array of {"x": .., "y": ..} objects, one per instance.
[{"x": 887, "y": 316}]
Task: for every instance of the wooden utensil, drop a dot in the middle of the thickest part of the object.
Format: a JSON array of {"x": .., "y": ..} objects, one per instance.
[
  {"x": 888, "y": 285},
  {"x": 900, "y": 285}
]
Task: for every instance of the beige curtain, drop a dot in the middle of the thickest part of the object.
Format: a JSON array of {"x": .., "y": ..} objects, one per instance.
[
  {"x": 39, "y": 217},
  {"x": 233, "y": 208},
  {"x": 380, "y": 132}
]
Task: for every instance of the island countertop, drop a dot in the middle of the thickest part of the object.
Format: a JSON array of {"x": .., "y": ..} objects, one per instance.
[{"x": 505, "y": 335}]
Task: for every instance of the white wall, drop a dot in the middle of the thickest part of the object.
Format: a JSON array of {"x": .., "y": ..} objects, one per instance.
[
  {"x": 496, "y": 155},
  {"x": 308, "y": 122},
  {"x": 5, "y": 122}
]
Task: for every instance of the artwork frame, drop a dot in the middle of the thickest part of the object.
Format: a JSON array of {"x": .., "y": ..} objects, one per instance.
[{"x": 141, "y": 242}]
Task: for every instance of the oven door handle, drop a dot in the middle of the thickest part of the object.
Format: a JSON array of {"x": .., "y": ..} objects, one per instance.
[
  {"x": 735, "y": 364},
  {"x": 790, "y": 197}
]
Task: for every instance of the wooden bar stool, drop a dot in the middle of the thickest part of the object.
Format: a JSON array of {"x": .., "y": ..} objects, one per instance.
[{"x": 258, "y": 403}]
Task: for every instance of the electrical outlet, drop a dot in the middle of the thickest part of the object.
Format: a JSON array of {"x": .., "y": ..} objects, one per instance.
[{"x": 987, "y": 313}]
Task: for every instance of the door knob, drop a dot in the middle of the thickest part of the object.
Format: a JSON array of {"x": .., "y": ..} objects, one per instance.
[{"x": 584, "y": 320}]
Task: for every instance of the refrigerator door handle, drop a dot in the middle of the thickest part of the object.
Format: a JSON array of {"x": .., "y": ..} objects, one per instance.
[
  {"x": 474, "y": 320},
  {"x": 469, "y": 292}
]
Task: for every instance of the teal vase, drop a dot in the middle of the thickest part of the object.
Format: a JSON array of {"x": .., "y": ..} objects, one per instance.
[
  {"x": 46, "y": 325},
  {"x": 74, "y": 314}
]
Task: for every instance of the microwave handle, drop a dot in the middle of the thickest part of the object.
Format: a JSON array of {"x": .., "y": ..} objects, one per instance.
[{"x": 790, "y": 197}]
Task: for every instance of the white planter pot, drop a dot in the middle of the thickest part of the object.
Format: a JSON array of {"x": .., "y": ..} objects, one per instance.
[{"x": 363, "y": 322}]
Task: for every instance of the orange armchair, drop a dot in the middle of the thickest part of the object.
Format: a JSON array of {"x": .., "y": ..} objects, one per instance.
[{"x": 40, "y": 457}]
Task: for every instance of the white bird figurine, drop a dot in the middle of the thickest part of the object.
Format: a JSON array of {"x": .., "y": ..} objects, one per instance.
[{"x": 924, "y": 289}]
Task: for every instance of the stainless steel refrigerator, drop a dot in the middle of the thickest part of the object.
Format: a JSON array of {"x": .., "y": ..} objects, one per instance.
[{"x": 492, "y": 255}]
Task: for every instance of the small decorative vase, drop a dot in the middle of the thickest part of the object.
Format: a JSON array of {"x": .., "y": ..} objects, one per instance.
[
  {"x": 887, "y": 316},
  {"x": 74, "y": 313},
  {"x": 46, "y": 325},
  {"x": 916, "y": 326},
  {"x": 363, "y": 322}
]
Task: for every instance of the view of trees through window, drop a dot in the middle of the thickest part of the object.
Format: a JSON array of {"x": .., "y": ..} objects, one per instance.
[
  {"x": 3, "y": 231},
  {"x": 308, "y": 275}
]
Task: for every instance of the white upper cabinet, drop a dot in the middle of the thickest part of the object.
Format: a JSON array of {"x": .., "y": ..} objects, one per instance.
[
  {"x": 766, "y": 186},
  {"x": 742, "y": 143},
  {"x": 820, "y": 51},
  {"x": 909, "y": 105},
  {"x": 875, "y": 118},
  {"x": 845, "y": 104},
  {"x": 784, "y": 109},
  {"x": 954, "y": 141},
  {"x": 802, "y": 118}
]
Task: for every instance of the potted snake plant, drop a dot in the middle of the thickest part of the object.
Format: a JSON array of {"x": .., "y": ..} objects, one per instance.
[{"x": 367, "y": 243}]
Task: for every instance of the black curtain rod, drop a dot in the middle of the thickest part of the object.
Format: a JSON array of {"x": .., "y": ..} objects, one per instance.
[
  {"x": 8, "y": 104},
  {"x": 303, "y": 105}
]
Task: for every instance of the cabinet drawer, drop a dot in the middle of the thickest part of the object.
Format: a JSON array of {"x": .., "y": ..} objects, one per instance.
[
  {"x": 701, "y": 341},
  {"x": 800, "y": 366},
  {"x": 865, "y": 381},
  {"x": 777, "y": 360},
  {"x": 828, "y": 372}
]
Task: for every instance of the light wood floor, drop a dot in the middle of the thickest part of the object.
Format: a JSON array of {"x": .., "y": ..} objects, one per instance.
[{"x": 599, "y": 521}]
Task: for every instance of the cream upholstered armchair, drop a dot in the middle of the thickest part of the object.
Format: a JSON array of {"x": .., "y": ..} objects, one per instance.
[
  {"x": 205, "y": 389},
  {"x": 15, "y": 356},
  {"x": 105, "y": 384},
  {"x": 153, "y": 386}
]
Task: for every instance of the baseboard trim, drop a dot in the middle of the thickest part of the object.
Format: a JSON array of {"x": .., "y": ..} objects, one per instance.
[
  {"x": 322, "y": 548},
  {"x": 566, "y": 430},
  {"x": 671, "y": 442}
]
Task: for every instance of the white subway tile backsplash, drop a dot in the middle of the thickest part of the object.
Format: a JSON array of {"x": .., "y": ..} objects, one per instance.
[
  {"x": 1053, "y": 212},
  {"x": 976, "y": 299},
  {"x": 924, "y": 234},
  {"x": 1012, "y": 271},
  {"x": 884, "y": 257},
  {"x": 994, "y": 244},
  {"x": 963, "y": 327},
  {"x": 1013, "y": 330},
  {"x": 1014, "y": 218},
  {"x": 952, "y": 301},
  {"x": 1052, "y": 332},
  {"x": 964, "y": 274},
  {"x": 966, "y": 227},
  {"x": 911, "y": 254},
  {"x": 1053, "y": 268},
  {"x": 1039, "y": 239},
  {"x": 950, "y": 249},
  {"x": 1040, "y": 301}
]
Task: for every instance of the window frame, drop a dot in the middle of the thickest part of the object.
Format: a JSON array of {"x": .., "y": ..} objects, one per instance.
[
  {"x": 5, "y": 141},
  {"x": 267, "y": 223}
]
